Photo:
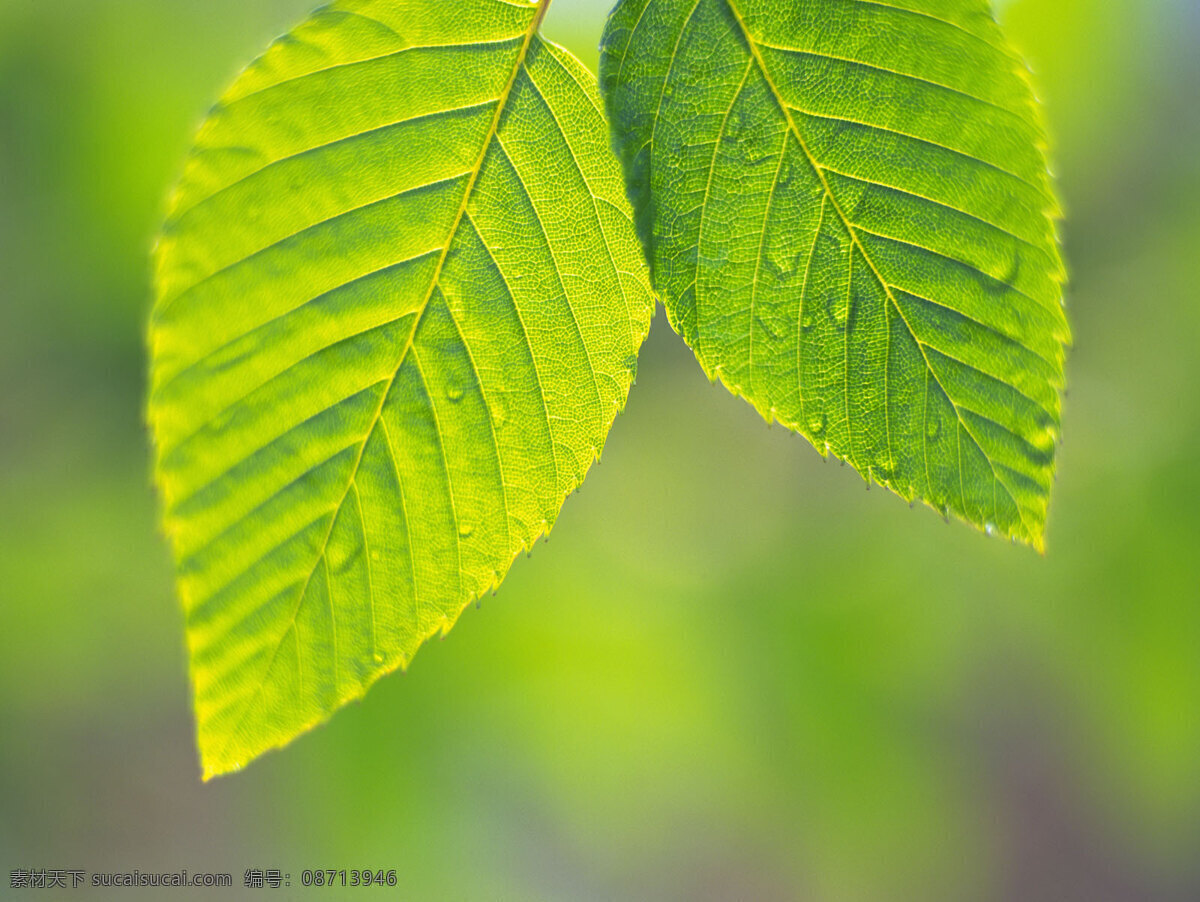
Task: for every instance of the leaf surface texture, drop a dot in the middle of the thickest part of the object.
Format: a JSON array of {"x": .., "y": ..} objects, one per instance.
[
  {"x": 399, "y": 303},
  {"x": 849, "y": 217}
]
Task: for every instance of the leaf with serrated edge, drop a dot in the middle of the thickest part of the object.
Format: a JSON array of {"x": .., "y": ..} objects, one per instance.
[
  {"x": 849, "y": 218},
  {"x": 399, "y": 303}
]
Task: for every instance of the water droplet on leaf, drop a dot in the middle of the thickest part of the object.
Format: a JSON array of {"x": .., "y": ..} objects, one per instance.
[
  {"x": 838, "y": 305},
  {"x": 785, "y": 172}
]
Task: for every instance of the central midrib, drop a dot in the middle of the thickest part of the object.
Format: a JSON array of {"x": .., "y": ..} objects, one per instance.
[{"x": 493, "y": 130}]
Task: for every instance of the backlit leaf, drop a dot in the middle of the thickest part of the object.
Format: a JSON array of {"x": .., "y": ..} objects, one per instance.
[
  {"x": 399, "y": 303},
  {"x": 849, "y": 218}
]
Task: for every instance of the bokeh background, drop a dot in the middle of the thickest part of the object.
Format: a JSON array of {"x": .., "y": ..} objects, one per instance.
[{"x": 732, "y": 672}]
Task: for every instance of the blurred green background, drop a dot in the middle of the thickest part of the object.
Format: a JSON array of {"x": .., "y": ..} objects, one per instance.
[{"x": 732, "y": 673}]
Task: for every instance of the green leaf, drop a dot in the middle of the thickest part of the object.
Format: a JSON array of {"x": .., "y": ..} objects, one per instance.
[
  {"x": 399, "y": 303},
  {"x": 849, "y": 219}
]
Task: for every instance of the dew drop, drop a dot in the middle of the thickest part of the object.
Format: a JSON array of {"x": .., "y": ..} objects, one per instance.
[
  {"x": 465, "y": 529},
  {"x": 499, "y": 408},
  {"x": 378, "y": 657},
  {"x": 716, "y": 259},
  {"x": 989, "y": 528},
  {"x": 755, "y": 151},
  {"x": 767, "y": 327},
  {"x": 838, "y": 306},
  {"x": 997, "y": 275},
  {"x": 735, "y": 125},
  {"x": 785, "y": 173},
  {"x": 799, "y": 264},
  {"x": 780, "y": 262},
  {"x": 816, "y": 424},
  {"x": 934, "y": 428},
  {"x": 222, "y": 420}
]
